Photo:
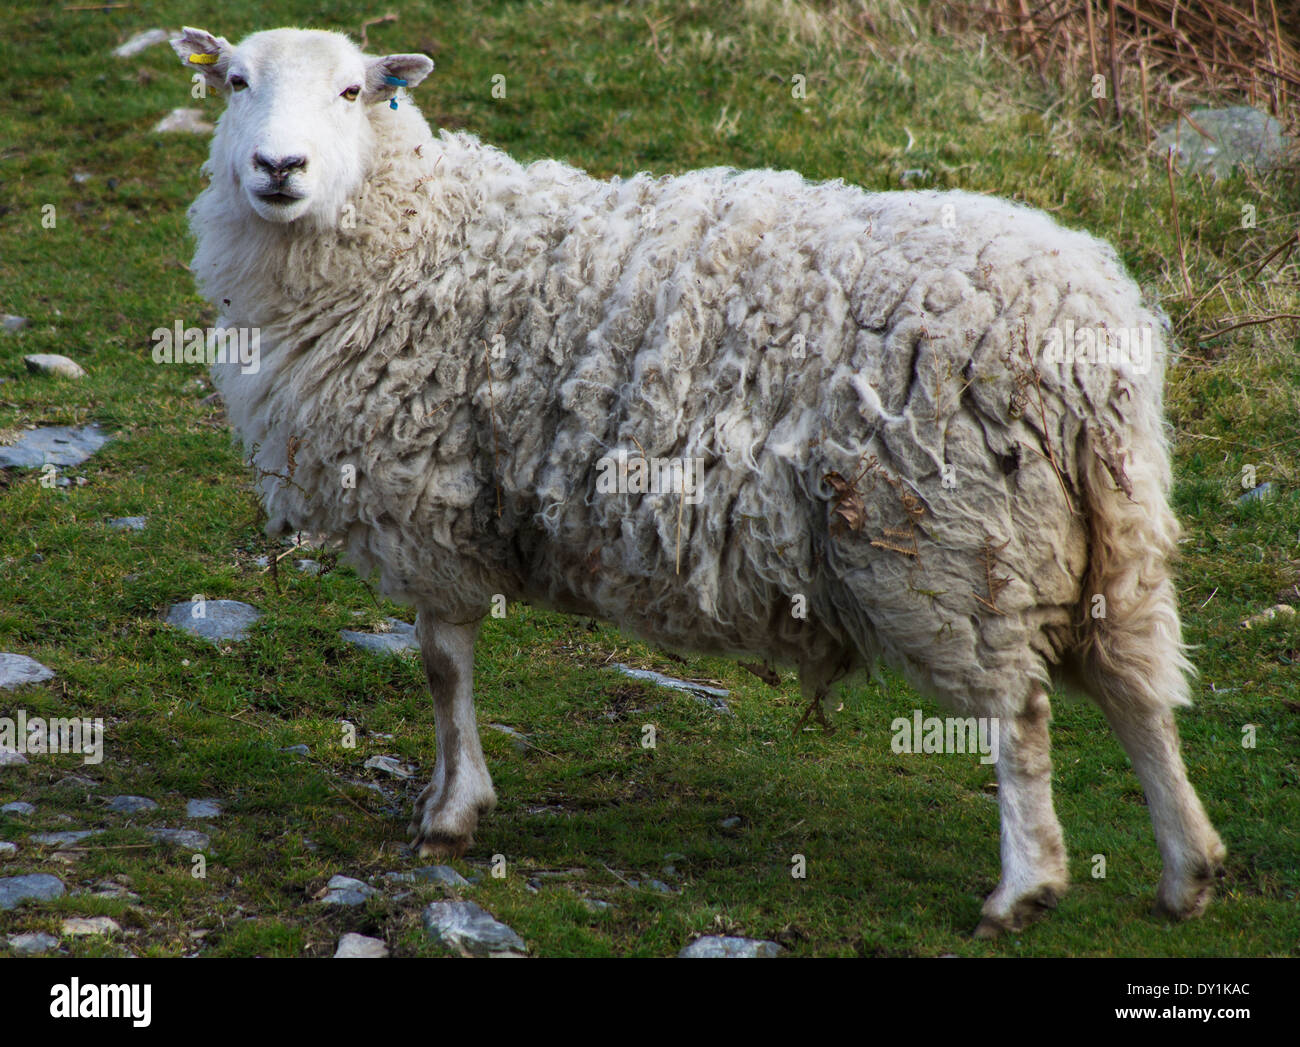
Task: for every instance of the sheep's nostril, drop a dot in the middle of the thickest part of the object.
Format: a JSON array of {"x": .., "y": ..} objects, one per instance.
[{"x": 279, "y": 168}]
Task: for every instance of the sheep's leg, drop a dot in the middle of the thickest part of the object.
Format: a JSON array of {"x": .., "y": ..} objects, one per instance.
[
  {"x": 448, "y": 809},
  {"x": 1034, "y": 873},
  {"x": 1189, "y": 847}
]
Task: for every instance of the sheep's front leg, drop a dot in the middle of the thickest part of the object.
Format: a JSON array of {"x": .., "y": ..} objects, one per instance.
[
  {"x": 448, "y": 809},
  {"x": 1034, "y": 873}
]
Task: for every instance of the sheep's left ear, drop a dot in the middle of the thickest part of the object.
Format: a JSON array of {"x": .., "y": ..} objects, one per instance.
[
  {"x": 206, "y": 53},
  {"x": 411, "y": 68}
]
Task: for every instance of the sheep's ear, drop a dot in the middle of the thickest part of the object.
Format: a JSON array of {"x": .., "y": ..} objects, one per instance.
[
  {"x": 206, "y": 53},
  {"x": 411, "y": 68}
]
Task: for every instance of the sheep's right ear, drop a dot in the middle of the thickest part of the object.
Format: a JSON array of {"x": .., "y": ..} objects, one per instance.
[
  {"x": 206, "y": 53},
  {"x": 381, "y": 72}
]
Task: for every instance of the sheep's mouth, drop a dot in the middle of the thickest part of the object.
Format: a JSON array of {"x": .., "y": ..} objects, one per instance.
[{"x": 279, "y": 197}]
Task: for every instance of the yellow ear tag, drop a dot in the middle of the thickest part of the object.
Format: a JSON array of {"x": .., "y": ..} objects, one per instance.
[{"x": 203, "y": 59}]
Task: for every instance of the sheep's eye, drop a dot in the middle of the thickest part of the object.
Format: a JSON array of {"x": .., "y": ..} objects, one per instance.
[
  {"x": 352, "y": 92},
  {"x": 238, "y": 83}
]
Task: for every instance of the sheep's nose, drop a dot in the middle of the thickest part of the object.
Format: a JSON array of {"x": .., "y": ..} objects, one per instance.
[{"x": 279, "y": 167}]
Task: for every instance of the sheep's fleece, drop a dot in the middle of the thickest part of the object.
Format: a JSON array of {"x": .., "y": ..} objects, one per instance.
[{"x": 892, "y": 467}]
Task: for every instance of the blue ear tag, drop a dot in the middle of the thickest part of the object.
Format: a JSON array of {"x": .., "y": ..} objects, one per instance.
[{"x": 394, "y": 81}]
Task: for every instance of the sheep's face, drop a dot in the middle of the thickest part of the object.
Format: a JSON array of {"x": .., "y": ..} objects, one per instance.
[{"x": 297, "y": 133}]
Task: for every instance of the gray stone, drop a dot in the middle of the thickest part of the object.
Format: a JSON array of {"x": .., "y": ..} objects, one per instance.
[
  {"x": 131, "y": 804},
  {"x": 596, "y": 905},
  {"x": 223, "y": 620},
  {"x": 344, "y": 890},
  {"x": 519, "y": 739},
  {"x": 32, "y": 943},
  {"x": 470, "y": 930},
  {"x": 389, "y": 765},
  {"x": 432, "y": 874},
  {"x": 309, "y": 567},
  {"x": 12, "y": 324},
  {"x": 55, "y": 364},
  {"x": 52, "y": 445},
  {"x": 1239, "y": 135},
  {"x": 17, "y": 670},
  {"x": 39, "y": 887},
  {"x": 297, "y": 750},
  {"x": 203, "y": 809},
  {"x": 82, "y": 926},
  {"x": 717, "y": 947},
  {"x": 189, "y": 839},
  {"x": 65, "y": 839},
  {"x": 397, "y": 639},
  {"x": 1257, "y": 494},
  {"x": 8, "y": 851},
  {"x": 127, "y": 523},
  {"x": 183, "y": 121},
  {"x": 359, "y": 947},
  {"x": 731, "y": 823},
  {"x": 140, "y": 42},
  {"x": 109, "y": 889},
  {"x": 710, "y": 696},
  {"x": 11, "y": 758},
  {"x": 18, "y": 807}
]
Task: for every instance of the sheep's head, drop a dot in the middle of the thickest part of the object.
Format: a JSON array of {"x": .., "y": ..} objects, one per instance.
[{"x": 298, "y": 128}]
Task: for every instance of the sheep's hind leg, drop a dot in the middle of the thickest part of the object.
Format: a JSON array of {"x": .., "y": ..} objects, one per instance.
[
  {"x": 448, "y": 809},
  {"x": 1034, "y": 874}
]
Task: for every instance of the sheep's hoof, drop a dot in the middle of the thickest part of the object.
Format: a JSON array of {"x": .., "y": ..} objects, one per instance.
[
  {"x": 1188, "y": 900},
  {"x": 1027, "y": 909},
  {"x": 440, "y": 845}
]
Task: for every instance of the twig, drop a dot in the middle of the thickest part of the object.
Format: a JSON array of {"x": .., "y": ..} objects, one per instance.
[
  {"x": 1178, "y": 231},
  {"x": 390, "y": 17}
]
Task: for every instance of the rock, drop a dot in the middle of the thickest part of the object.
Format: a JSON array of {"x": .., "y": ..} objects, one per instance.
[
  {"x": 520, "y": 739},
  {"x": 189, "y": 839},
  {"x": 39, "y": 887},
  {"x": 397, "y": 639},
  {"x": 52, "y": 445},
  {"x": 10, "y": 758},
  {"x": 432, "y": 874},
  {"x": 470, "y": 930},
  {"x": 716, "y": 947},
  {"x": 53, "y": 363},
  {"x": 1267, "y": 615},
  {"x": 1257, "y": 494},
  {"x": 183, "y": 121},
  {"x": 64, "y": 839},
  {"x": 17, "y": 670},
  {"x": 343, "y": 890},
  {"x": 82, "y": 926},
  {"x": 359, "y": 947},
  {"x": 127, "y": 523},
  {"x": 1239, "y": 135},
  {"x": 710, "y": 696},
  {"x": 8, "y": 851},
  {"x": 32, "y": 943},
  {"x": 297, "y": 750},
  {"x": 131, "y": 804},
  {"x": 109, "y": 889},
  {"x": 140, "y": 42},
  {"x": 17, "y": 807},
  {"x": 223, "y": 620},
  {"x": 732, "y": 823},
  {"x": 12, "y": 324},
  {"x": 203, "y": 809},
  {"x": 389, "y": 765},
  {"x": 82, "y": 177},
  {"x": 309, "y": 567},
  {"x": 596, "y": 905}
]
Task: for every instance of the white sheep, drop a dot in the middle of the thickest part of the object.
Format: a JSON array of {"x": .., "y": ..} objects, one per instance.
[{"x": 900, "y": 455}]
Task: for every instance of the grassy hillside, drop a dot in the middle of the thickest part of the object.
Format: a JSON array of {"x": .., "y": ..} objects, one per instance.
[{"x": 900, "y": 850}]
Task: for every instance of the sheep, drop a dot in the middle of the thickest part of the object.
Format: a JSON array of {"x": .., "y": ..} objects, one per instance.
[{"x": 921, "y": 428}]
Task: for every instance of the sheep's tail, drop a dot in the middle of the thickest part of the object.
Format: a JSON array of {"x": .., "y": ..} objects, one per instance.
[{"x": 1130, "y": 652}]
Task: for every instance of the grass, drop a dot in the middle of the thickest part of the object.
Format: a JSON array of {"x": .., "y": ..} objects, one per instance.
[{"x": 899, "y": 850}]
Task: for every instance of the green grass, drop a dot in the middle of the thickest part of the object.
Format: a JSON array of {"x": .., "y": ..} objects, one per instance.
[{"x": 900, "y": 851}]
